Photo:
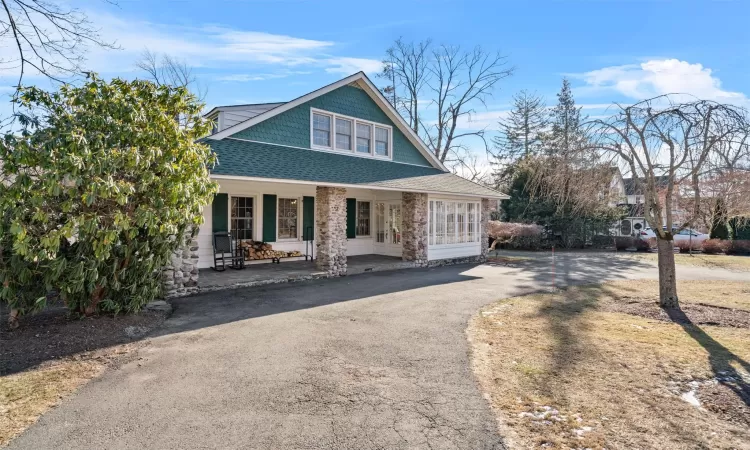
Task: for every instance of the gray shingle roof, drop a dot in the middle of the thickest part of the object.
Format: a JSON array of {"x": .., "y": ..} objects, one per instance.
[{"x": 253, "y": 159}]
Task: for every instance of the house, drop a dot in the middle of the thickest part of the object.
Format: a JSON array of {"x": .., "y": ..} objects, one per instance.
[
  {"x": 337, "y": 173},
  {"x": 632, "y": 198}
]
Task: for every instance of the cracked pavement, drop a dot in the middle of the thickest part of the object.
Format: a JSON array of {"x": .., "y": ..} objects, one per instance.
[{"x": 374, "y": 361}]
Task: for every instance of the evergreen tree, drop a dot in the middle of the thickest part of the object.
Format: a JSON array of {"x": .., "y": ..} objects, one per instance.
[
  {"x": 522, "y": 132},
  {"x": 565, "y": 133}
]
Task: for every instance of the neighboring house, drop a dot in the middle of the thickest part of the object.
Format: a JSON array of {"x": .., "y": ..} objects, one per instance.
[
  {"x": 339, "y": 170},
  {"x": 632, "y": 198}
]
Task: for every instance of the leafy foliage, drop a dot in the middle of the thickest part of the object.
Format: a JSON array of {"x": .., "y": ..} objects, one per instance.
[{"x": 99, "y": 187}]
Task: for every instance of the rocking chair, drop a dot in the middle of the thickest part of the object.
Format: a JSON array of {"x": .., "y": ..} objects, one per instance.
[{"x": 225, "y": 251}]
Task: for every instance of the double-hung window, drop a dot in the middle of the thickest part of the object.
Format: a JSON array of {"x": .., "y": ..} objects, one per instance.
[
  {"x": 331, "y": 131},
  {"x": 453, "y": 222},
  {"x": 288, "y": 215},
  {"x": 322, "y": 130},
  {"x": 343, "y": 134},
  {"x": 242, "y": 217},
  {"x": 382, "y": 141},
  {"x": 364, "y": 138},
  {"x": 363, "y": 218}
]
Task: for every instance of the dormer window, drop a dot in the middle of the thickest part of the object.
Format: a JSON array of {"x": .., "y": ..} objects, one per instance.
[
  {"x": 338, "y": 133},
  {"x": 322, "y": 130}
]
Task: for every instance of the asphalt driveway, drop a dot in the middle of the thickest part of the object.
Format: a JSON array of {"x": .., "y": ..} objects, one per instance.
[{"x": 364, "y": 362}]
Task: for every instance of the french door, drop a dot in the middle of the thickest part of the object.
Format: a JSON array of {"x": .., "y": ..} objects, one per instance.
[{"x": 388, "y": 227}]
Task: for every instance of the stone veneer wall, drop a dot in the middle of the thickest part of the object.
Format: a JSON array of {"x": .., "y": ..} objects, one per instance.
[
  {"x": 484, "y": 239},
  {"x": 330, "y": 230},
  {"x": 180, "y": 276},
  {"x": 414, "y": 228}
]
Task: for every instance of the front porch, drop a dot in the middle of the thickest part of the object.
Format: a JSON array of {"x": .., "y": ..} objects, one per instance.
[{"x": 290, "y": 271}]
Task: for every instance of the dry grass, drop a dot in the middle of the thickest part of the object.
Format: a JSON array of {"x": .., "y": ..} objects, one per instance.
[
  {"x": 737, "y": 263},
  {"x": 564, "y": 370},
  {"x": 27, "y": 395}
]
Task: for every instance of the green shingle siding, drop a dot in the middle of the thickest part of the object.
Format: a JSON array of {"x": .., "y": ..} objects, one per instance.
[{"x": 293, "y": 127}]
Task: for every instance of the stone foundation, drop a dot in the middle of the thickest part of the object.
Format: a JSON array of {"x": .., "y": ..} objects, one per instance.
[
  {"x": 463, "y": 260},
  {"x": 330, "y": 230},
  {"x": 180, "y": 276},
  {"x": 414, "y": 228}
]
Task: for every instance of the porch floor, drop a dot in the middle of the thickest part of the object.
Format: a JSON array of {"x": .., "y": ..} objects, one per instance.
[{"x": 288, "y": 271}]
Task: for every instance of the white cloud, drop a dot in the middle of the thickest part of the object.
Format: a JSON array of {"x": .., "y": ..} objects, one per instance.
[
  {"x": 212, "y": 47},
  {"x": 658, "y": 77},
  {"x": 348, "y": 66}
]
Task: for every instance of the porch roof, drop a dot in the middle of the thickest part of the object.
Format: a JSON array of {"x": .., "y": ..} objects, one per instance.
[{"x": 260, "y": 160}]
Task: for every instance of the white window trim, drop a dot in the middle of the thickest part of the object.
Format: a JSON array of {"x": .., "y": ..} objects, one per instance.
[
  {"x": 431, "y": 219},
  {"x": 332, "y": 148},
  {"x": 356, "y": 219},
  {"x": 255, "y": 212},
  {"x": 299, "y": 218}
]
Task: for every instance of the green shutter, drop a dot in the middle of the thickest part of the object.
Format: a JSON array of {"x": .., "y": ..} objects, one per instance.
[
  {"x": 308, "y": 218},
  {"x": 351, "y": 218},
  {"x": 269, "y": 218},
  {"x": 220, "y": 213}
]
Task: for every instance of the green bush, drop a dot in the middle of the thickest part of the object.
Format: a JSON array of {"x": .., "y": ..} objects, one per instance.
[{"x": 102, "y": 185}]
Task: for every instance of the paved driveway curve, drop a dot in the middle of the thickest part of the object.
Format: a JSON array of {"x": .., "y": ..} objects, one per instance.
[{"x": 367, "y": 362}]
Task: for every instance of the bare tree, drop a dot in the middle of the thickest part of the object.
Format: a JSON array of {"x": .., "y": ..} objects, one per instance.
[
  {"x": 169, "y": 71},
  {"x": 453, "y": 82},
  {"x": 48, "y": 38},
  {"x": 405, "y": 67},
  {"x": 459, "y": 82},
  {"x": 683, "y": 142}
]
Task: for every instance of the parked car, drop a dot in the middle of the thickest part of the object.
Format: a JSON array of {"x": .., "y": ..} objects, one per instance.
[{"x": 685, "y": 234}]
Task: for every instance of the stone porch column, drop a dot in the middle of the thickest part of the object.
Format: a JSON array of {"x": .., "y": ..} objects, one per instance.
[
  {"x": 414, "y": 228},
  {"x": 330, "y": 230},
  {"x": 180, "y": 275},
  {"x": 484, "y": 224}
]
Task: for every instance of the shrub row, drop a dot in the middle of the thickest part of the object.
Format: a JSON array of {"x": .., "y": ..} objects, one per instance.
[
  {"x": 515, "y": 236},
  {"x": 718, "y": 246}
]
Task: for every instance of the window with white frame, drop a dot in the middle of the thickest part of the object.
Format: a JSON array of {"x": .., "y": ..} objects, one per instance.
[
  {"x": 288, "y": 212},
  {"x": 453, "y": 222},
  {"x": 343, "y": 134},
  {"x": 331, "y": 131},
  {"x": 382, "y": 141},
  {"x": 364, "y": 138},
  {"x": 363, "y": 218},
  {"x": 241, "y": 217},
  {"x": 322, "y": 130}
]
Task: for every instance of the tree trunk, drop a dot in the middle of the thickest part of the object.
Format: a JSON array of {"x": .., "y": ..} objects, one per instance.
[{"x": 667, "y": 275}]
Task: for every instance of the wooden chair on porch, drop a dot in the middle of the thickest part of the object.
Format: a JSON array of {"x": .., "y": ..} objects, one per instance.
[{"x": 225, "y": 251}]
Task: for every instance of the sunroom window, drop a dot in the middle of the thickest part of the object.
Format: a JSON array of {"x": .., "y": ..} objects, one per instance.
[{"x": 453, "y": 222}]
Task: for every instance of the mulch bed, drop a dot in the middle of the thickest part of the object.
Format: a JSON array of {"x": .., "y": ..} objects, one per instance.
[
  {"x": 52, "y": 334},
  {"x": 728, "y": 397},
  {"x": 697, "y": 314}
]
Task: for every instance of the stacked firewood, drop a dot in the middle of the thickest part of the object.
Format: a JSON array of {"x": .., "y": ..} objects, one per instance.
[{"x": 262, "y": 250}]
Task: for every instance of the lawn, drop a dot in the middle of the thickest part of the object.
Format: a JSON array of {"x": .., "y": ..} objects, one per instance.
[
  {"x": 51, "y": 355},
  {"x": 604, "y": 367},
  {"x": 737, "y": 263}
]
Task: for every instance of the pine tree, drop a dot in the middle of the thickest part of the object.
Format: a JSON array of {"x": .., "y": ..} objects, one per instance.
[
  {"x": 522, "y": 132},
  {"x": 566, "y": 133}
]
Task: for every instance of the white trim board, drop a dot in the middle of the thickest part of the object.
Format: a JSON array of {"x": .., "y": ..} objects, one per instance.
[
  {"x": 371, "y": 90},
  {"x": 353, "y": 186}
]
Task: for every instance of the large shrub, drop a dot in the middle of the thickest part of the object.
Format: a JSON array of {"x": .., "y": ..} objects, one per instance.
[
  {"x": 518, "y": 236},
  {"x": 101, "y": 185},
  {"x": 714, "y": 246},
  {"x": 689, "y": 246}
]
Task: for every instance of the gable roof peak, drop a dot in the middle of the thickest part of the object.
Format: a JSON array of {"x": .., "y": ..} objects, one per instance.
[{"x": 364, "y": 83}]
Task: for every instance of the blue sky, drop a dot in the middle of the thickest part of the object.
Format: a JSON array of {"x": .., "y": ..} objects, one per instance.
[{"x": 248, "y": 51}]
